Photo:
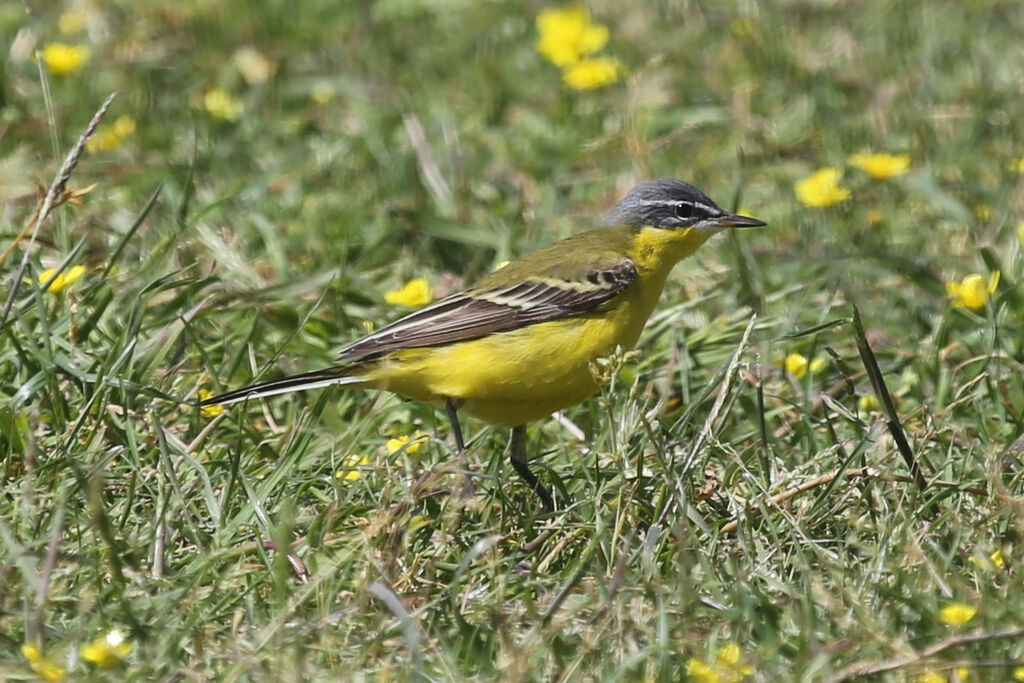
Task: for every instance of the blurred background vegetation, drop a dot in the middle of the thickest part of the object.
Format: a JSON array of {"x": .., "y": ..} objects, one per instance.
[{"x": 269, "y": 172}]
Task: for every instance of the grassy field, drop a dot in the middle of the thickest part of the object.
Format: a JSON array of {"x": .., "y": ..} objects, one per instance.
[{"x": 737, "y": 505}]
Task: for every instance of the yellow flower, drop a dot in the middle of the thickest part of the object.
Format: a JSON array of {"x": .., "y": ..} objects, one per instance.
[
  {"x": 973, "y": 291},
  {"x": 797, "y": 365},
  {"x": 728, "y": 655},
  {"x": 994, "y": 562},
  {"x": 43, "y": 667},
  {"x": 410, "y": 443},
  {"x": 62, "y": 281},
  {"x": 413, "y": 294},
  {"x": 700, "y": 672},
  {"x": 881, "y": 166},
  {"x": 867, "y": 403},
  {"x": 567, "y": 35},
  {"x": 821, "y": 189},
  {"x": 931, "y": 677},
  {"x": 110, "y": 137},
  {"x": 726, "y": 669},
  {"x": 1018, "y": 673},
  {"x": 71, "y": 22},
  {"x": 962, "y": 672},
  {"x": 108, "y": 650},
  {"x": 221, "y": 105},
  {"x": 1020, "y": 231},
  {"x": 62, "y": 59},
  {"x": 957, "y": 613},
  {"x": 997, "y": 559},
  {"x": 1017, "y": 165},
  {"x": 254, "y": 67},
  {"x": 590, "y": 74},
  {"x": 209, "y": 411},
  {"x": 349, "y": 470},
  {"x": 124, "y": 126}
]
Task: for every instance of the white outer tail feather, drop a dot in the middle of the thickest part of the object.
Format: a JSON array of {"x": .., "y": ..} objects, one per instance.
[{"x": 285, "y": 385}]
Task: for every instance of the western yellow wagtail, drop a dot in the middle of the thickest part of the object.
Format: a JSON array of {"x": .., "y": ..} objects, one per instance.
[{"x": 518, "y": 345}]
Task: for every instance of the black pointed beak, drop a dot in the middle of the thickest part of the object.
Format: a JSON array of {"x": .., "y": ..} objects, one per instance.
[{"x": 734, "y": 220}]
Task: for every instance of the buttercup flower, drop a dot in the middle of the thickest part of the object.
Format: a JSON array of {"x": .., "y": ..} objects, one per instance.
[
  {"x": 797, "y": 365},
  {"x": 996, "y": 558},
  {"x": 108, "y": 650},
  {"x": 1017, "y": 165},
  {"x": 569, "y": 39},
  {"x": 222, "y": 105},
  {"x": 821, "y": 189},
  {"x": 973, "y": 291},
  {"x": 62, "y": 59},
  {"x": 957, "y": 613},
  {"x": 1020, "y": 231},
  {"x": 410, "y": 443},
  {"x": 349, "y": 467},
  {"x": 110, "y": 137},
  {"x": 590, "y": 74},
  {"x": 62, "y": 281},
  {"x": 867, "y": 403},
  {"x": 567, "y": 35},
  {"x": 413, "y": 294},
  {"x": 42, "y": 666},
  {"x": 701, "y": 672},
  {"x": 725, "y": 669},
  {"x": 994, "y": 562},
  {"x": 881, "y": 166},
  {"x": 209, "y": 411}
]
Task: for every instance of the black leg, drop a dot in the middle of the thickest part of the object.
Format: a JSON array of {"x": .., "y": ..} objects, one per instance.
[
  {"x": 521, "y": 466},
  {"x": 453, "y": 417}
]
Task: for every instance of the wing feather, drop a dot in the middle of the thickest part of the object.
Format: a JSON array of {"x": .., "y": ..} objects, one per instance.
[{"x": 487, "y": 310}]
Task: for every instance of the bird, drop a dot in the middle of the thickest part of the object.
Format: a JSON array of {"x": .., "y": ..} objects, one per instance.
[{"x": 518, "y": 345}]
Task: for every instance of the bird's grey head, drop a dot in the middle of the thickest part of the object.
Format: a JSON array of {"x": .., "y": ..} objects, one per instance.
[{"x": 669, "y": 203}]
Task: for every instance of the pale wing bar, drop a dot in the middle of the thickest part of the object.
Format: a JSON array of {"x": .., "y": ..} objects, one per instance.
[{"x": 476, "y": 313}]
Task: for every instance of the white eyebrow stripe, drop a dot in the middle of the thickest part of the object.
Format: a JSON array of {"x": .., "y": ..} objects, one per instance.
[
  {"x": 661, "y": 202},
  {"x": 707, "y": 208}
]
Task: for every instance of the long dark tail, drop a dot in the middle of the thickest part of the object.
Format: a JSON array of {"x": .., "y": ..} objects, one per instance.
[{"x": 300, "y": 382}]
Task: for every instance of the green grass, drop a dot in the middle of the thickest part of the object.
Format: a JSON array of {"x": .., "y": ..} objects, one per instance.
[{"x": 705, "y": 507}]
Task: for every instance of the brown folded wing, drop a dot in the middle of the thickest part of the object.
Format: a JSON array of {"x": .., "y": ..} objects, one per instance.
[{"x": 478, "y": 312}]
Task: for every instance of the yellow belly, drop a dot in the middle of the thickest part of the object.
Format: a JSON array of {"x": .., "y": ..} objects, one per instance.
[{"x": 515, "y": 377}]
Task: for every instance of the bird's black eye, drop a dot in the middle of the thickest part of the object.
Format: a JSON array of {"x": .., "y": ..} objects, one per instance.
[{"x": 684, "y": 210}]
